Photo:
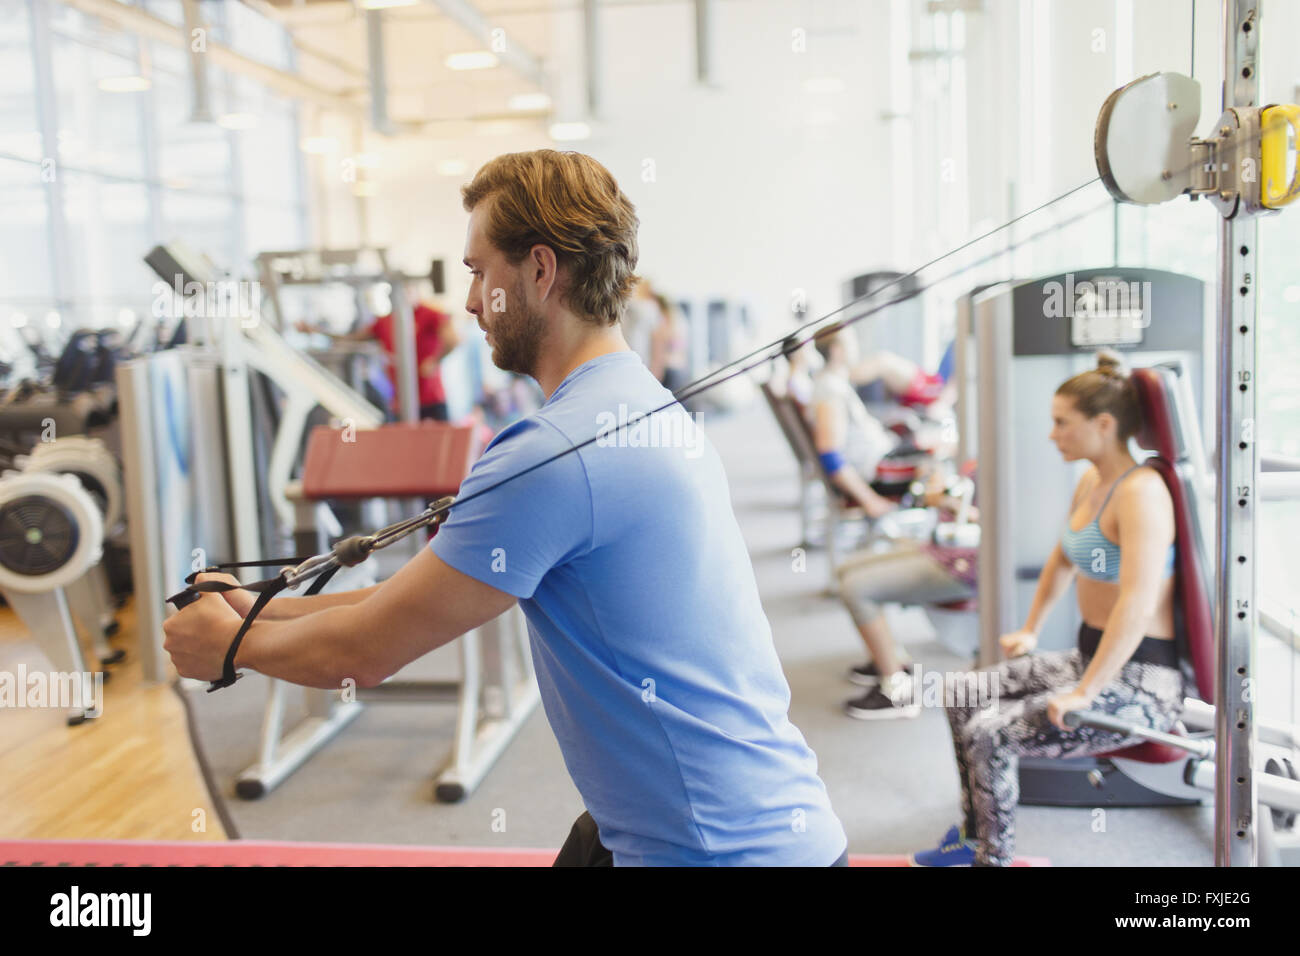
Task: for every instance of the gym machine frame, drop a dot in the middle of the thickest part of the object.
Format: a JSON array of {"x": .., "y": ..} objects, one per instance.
[{"x": 1240, "y": 169}]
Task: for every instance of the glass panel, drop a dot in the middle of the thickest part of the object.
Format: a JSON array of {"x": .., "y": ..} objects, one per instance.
[
  {"x": 205, "y": 223},
  {"x": 24, "y": 233},
  {"x": 108, "y": 235},
  {"x": 190, "y": 155}
]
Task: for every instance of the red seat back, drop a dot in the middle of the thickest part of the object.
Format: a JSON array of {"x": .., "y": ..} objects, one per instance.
[{"x": 1164, "y": 422}]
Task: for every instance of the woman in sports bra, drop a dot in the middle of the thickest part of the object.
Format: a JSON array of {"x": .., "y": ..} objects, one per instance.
[{"x": 1117, "y": 545}]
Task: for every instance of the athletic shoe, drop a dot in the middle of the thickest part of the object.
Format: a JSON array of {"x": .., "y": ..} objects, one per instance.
[
  {"x": 953, "y": 850},
  {"x": 866, "y": 675},
  {"x": 875, "y": 704}
]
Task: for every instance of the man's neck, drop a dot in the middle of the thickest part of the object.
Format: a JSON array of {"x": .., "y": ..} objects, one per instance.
[{"x": 564, "y": 351}]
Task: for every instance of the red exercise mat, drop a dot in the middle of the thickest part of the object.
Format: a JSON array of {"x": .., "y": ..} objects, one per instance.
[{"x": 271, "y": 853}]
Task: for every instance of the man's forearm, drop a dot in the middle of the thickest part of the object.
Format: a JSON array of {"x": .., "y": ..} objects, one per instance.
[
  {"x": 288, "y": 608},
  {"x": 320, "y": 649}
]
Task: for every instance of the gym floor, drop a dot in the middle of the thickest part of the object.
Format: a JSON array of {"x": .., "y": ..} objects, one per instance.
[
  {"x": 129, "y": 776},
  {"x": 133, "y": 773}
]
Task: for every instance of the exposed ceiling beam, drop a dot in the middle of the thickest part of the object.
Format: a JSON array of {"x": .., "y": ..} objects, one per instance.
[
  {"x": 591, "y": 35},
  {"x": 704, "y": 42},
  {"x": 378, "y": 72},
  {"x": 472, "y": 20},
  {"x": 201, "y": 103},
  {"x": 135, "y": 21}
]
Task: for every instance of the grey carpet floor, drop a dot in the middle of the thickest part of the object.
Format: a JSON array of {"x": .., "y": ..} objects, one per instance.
[{"x": 892, "y": 783}]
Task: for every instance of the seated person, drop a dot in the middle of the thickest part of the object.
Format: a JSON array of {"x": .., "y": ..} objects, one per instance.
[
  {"x": 670, "y": 360},
  {"x": 1119, "y": 539},
  {"x": 794, "y": 375},
  {"x": 850, "y": 441},
  {"x": 911, "y": 573},
  {"x": 908, "y": 382}
]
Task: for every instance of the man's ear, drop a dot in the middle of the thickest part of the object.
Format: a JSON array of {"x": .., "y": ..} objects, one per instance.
[{"x": 542, "y": 270}]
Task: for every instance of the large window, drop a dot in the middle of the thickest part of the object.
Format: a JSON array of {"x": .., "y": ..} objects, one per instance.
[{"x": 95, "y": 170}]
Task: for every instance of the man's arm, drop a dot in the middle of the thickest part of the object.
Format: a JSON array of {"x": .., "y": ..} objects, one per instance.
[
  {"x": 287, "y": 608},
  {"x": 425, "y": 605}
]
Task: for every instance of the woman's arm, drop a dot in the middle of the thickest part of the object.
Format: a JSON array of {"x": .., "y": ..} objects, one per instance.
[
  {"x": 829, "y": 436},
  {"x": 1053, "y": 581},
  {"x": 1146, "y": 531},
  {"x": 1058, "y": 572}
]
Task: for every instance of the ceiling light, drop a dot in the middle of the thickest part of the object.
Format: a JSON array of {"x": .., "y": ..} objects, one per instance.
[
  {"x": 477, "y": 60},
  {"x": 124, "y": 84},
  {"x": 237, "y": 120},
  {"x": 823, "y": 84},
  {"x": 567, "y": 131},
  {"x": 319, "y": 144},
  {"x": 530, "y": 101}
]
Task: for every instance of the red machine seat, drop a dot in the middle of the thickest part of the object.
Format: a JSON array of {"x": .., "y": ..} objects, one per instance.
[
  {"x": 965, "y": 604},
  {"x": 1149, "y": 751},
  {"x": 402, "y": 460}
]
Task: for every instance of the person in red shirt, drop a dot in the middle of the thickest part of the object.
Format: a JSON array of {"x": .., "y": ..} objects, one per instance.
[{"x": 435, "y": 336}]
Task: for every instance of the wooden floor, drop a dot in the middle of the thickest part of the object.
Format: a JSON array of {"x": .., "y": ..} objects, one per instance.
[{"x": 129, "y": 774}]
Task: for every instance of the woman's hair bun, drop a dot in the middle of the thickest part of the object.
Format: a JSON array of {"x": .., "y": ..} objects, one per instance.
[{"x": 1109, "y": 363}]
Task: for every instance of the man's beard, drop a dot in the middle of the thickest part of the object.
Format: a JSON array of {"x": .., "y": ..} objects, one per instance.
[{"x": 517, "y": 335}]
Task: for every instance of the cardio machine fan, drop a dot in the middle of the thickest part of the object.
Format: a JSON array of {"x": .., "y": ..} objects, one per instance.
[
  {"x": 93, "y": 465},
  {"x": 51, "y": 534}
]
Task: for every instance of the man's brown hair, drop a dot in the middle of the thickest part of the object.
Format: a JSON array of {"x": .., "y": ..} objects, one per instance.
[{"x": 570, "y": 202}]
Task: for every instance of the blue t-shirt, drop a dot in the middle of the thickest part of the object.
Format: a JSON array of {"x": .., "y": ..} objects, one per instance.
[{"x": 653, "y": 654}]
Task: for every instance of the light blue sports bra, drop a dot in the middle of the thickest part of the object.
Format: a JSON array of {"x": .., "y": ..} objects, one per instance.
[{"x": 1094, "y": 554}]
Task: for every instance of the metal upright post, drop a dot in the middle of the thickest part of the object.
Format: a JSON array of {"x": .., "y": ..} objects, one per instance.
[
  {"x": 1236, "y": 468},
  {"x": 404, "y": 352}
]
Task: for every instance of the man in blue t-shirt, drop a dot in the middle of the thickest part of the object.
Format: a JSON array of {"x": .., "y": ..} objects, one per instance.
[{"x": 613, "y": 529}]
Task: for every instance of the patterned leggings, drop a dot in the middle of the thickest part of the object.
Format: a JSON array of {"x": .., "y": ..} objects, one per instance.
[{"x": 989, "y": 742}]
